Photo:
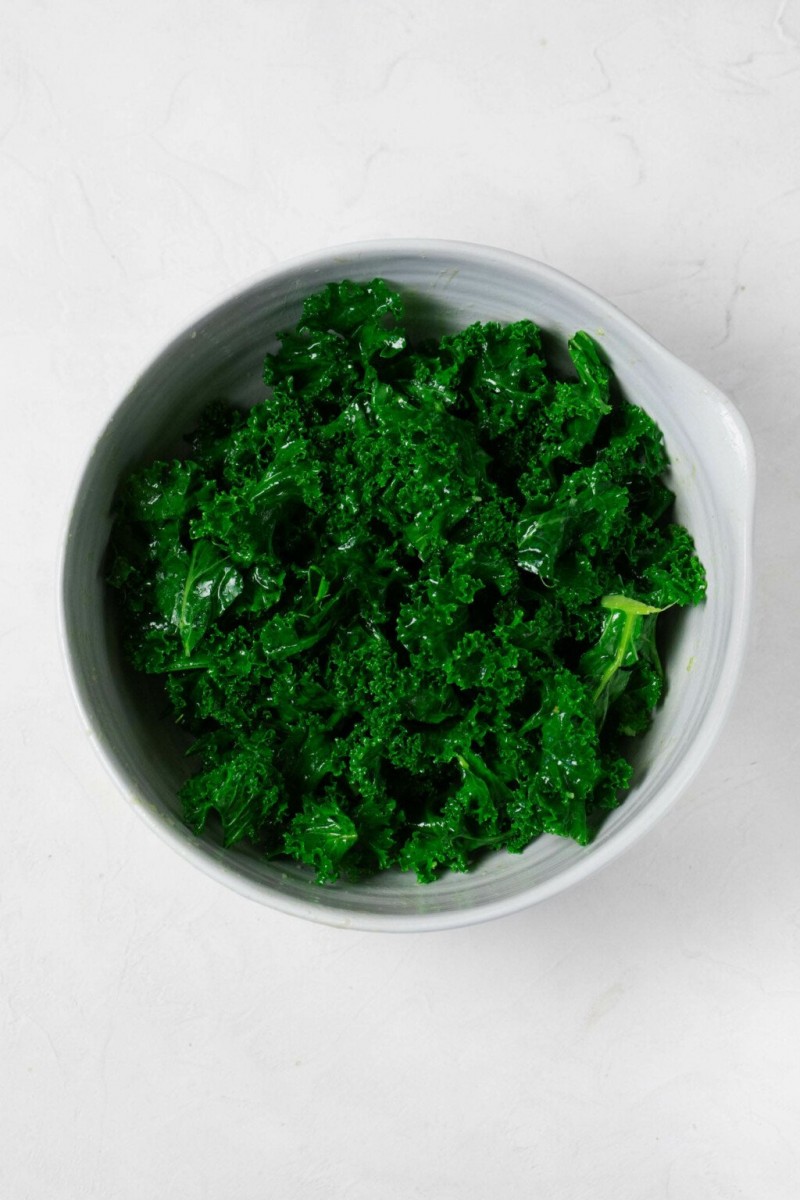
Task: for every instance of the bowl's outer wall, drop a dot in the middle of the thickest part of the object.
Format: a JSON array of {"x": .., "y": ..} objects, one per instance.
[{"x": 448, "y": 285}]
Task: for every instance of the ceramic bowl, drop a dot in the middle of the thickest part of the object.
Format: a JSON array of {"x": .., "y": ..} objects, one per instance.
[{"x": 446, "y": 285}]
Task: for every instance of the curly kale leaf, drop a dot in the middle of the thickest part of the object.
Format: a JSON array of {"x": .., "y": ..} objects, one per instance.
[
  {"x": 626, "y": 650},
  {"x": 239, "y": 782}
]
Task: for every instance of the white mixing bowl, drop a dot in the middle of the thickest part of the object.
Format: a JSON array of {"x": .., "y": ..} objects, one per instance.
[{"x": 446, "y": 285}]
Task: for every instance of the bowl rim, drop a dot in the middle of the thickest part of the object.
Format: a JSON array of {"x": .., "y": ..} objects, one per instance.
[{"x": 192, "y": 848}]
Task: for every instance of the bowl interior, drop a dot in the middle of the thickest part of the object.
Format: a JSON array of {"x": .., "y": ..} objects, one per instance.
[{"x": 446, "y": 286}]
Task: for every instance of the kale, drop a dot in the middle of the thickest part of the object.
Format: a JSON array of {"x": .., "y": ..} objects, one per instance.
[{"x": 406, "y": 606}]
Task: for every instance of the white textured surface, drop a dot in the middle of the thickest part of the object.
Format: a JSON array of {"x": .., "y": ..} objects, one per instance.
[{"x": 637, "y": 1037}]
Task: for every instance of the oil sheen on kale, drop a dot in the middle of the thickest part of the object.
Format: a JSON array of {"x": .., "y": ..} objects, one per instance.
[{"x": 406, "y": 606}]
